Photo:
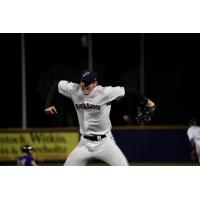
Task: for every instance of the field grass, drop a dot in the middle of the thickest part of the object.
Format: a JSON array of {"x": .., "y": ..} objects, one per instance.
[
  {"x": 99, "y": 163},
  {"x": 151, "y": 164}
]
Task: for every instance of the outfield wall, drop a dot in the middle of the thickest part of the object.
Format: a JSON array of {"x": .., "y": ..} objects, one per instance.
[
  {"x": 139, "y": 144},
  {"x": 154, "y": 144}
]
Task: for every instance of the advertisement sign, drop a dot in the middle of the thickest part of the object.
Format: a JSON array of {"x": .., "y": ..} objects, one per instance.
[{"x": 46, "y": 145}]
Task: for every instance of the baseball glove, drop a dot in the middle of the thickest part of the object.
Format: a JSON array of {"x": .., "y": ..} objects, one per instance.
[{"x": 144, "y": 114}]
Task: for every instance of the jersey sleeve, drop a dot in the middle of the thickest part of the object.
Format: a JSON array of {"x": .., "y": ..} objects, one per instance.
[
  {"x": 112, "y": 93},
  {"x": 66, "y": 88}
]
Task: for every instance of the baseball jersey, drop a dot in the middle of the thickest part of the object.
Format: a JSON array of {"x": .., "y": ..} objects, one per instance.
[
  {"x": 194, "y": 133},
  {"x": 25, "y": 160},
  {"x": 93, "y": 110}
]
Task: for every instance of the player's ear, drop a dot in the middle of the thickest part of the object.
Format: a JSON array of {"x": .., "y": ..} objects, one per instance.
[{"x": 95, "y": 83}]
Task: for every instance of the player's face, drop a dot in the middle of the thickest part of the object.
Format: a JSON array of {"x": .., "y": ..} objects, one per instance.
[{"x": 87, "y": 88}]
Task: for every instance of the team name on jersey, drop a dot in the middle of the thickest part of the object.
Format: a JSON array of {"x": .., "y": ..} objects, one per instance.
[{"x": 87, "y": 107}]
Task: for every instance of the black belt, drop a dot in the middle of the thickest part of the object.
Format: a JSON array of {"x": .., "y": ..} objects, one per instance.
[{"x": 95, "y": 137}]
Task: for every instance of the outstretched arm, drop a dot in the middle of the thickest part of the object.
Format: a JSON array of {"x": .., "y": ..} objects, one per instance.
[
  {"x": 140, "y": 99},
  {"x": 145, "y": 106},
  {"x": 53, "y": 94}
]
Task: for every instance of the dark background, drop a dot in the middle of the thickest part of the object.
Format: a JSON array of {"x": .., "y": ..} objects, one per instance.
[{"x": 171, "y": 63}]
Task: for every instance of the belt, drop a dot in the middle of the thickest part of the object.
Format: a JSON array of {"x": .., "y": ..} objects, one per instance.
[{"x": 95, "y": 137}]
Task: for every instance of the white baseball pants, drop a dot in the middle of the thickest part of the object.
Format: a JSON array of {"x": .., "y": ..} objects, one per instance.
[{"x": 104, "y": 149}]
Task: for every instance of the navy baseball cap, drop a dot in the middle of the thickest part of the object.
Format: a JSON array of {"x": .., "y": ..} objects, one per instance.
[{"x": 88, "y": 76}]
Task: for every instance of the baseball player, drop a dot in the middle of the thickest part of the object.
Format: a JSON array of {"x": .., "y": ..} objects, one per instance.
[
  {"x": 93, "y": 104},
  {"x": 26, "y": 159},
  {"x": 193, "y": 134}
]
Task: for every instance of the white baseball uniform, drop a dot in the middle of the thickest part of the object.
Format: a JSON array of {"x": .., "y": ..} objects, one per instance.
[
  {"x": 194, "y": 133},
  {"x": 93, "y": 112}
]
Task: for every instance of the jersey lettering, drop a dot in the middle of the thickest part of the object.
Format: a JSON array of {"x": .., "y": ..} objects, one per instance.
[{"x": 87, "y": 107}]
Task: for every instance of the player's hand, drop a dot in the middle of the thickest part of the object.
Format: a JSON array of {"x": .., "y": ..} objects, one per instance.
[{"x": 51, "y": 110}]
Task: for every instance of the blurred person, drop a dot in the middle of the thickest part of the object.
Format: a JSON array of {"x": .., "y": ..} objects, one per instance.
[
  {"x": 193, "y": 133},
  {"x": 92, "y": 103},
  {"x": 26, "y": 159}
]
